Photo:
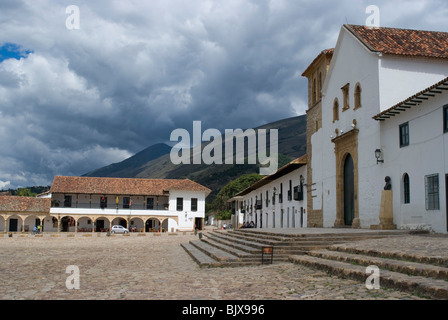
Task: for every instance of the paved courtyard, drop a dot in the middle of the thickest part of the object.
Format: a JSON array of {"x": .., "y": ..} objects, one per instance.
[{"x": 155, "y": 267}]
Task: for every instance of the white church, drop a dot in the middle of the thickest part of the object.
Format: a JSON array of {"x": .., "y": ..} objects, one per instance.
[
  {"x": 377, "y": 110},
  {"x": 378, "y": 107}
]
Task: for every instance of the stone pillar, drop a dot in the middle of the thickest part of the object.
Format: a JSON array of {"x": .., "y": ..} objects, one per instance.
[{"x": 386, "y": 212}]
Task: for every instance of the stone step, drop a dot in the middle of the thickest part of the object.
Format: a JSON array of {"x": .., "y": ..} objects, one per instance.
[
  {"x": 228, "y": 247},
  {"x": 230, "y": 239},
  {"x": 206, "y": 261},
  {"x": 214, "y": 252},
  {"x": 244, "y": 255},
  {"x": 230, "y": 243},
  {"x": 257, "y": 235},
  {"x": 336, "y": 233},
  {"x": 324, "y": 237},
  {"x": 249, "y": 238},
  {"x": 406, "y": 267},
  {"x": 437, "y": 261},
  {"x": 428, "y": 287},
  {"x": 200, "y": 257},
  {"x": 254, "y": 247}
]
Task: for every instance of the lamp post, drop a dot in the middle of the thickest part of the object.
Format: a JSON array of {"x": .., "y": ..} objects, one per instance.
[{"x": 378, "y": 155}]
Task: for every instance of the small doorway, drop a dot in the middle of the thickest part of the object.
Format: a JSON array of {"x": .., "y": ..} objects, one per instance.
[
  {"x": 199, "y": 223},
  {"x": 99, "y": 225},
  {"x": 65, "y": 224},
  {"x": 301, "y": 217},
  {"x": 349, "y": 191},
  {"x": 13, "y": 225}
]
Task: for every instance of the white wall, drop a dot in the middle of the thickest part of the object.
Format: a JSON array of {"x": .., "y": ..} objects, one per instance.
[
  {"x": 186, "y": 216},
  {"x": 293, "y": 210},
  {"x": 426, "y": 154},
  {"x": 385, "y": 81},
  {"x": 401, "y": 77},
  {"x": 351, "y": 64}
]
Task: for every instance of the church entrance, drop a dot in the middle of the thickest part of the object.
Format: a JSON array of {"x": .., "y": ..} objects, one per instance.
[
  {"x": 349, "y": 191},
  {"x": 347, "y": 205}
]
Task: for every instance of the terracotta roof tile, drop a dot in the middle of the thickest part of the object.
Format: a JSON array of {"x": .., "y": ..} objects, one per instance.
[
  {"x": 122, "y": 186},
  {"x": 24, "y": 204},
  {"x": 406, "y": 42}
]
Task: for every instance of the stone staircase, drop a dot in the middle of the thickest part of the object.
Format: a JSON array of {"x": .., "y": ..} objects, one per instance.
[
  {"x": 244, "y": 246},
  {"x": 416, "y": 274}
]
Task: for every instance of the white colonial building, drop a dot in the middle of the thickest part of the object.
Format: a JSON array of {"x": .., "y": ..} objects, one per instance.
[
  {"x": 414, "y": 148},
  {"x": 84, "y": 204},
  {"x": 358, "y": 119},
  {"x": 275, "y": 201}
]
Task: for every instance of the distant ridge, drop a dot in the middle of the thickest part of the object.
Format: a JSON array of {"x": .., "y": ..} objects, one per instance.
[
  {"x": 155, "y": 162},
  {"x": 129, "y": 167}
]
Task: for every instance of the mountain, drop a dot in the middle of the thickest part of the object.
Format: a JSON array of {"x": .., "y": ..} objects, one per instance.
[
  {"x": 155, "y": 162},
  {"x": 129, "y": 167}
]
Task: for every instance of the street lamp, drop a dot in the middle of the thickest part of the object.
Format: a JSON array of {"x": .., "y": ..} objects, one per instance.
[{"x": 378, "y": 155}]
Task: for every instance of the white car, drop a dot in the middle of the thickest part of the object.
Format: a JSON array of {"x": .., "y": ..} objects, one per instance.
[{"x": 119, "y": 229}]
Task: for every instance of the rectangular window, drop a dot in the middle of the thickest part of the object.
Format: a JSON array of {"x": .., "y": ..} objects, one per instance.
[
  {"x": 445, "y": 118},
  {"x": 67, "y": 201},
  {"x": 126, "y": 202},
  {"x": 290, "y": 191},
  {"x": 149, "y": 203},
  {"x": 432, "y": 192},
  {"x": 267, "y": 198},
  {"x": 406, "y": 189},
  {"x": 194, "y": 204},
  {"x": 180, "y": 204},
  {"x": 404, "y": 134},
  {"x": 280, "y": 196}
]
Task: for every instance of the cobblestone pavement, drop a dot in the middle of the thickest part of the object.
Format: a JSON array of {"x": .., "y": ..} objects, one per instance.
[{"x": 155, "y": 267}]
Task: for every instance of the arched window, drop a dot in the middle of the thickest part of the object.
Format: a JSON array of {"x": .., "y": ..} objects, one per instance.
[
  {"x": 357, "y": 96},
  {"x": 406, "y": 189},
  {"x": 335, "y": 110}
]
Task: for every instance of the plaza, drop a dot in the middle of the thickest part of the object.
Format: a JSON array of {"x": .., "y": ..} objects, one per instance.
[{"x": 148, "y": 267}]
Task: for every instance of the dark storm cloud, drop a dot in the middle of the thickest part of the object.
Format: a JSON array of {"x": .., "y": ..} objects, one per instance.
[{"x": 136, "y": 70}]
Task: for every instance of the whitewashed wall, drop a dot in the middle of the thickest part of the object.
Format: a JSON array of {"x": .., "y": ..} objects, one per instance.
[
  {"x": 385, "y": 80},
  {"x": 186, "y": 216},
  {"x": 271, "y": 216},
  {"x": 426, "y": 154}
]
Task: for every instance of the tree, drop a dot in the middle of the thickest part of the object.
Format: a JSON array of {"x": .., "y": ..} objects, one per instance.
[
  {"x": 24, "y": 192},
  {"x": 219, "y": 204}
]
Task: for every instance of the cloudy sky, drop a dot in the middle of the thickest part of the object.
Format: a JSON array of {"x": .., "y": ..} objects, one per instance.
[{"x": 75, "y": 99}]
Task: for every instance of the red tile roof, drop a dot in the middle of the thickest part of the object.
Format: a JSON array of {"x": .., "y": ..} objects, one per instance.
[
  {"x": 122, "y": 186},
  {"x": 407, "y": 42},
  {"x": 24, "y": 204}
]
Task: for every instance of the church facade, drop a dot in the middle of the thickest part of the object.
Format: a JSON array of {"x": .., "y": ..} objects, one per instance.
[{"x": 378, "y": 109}]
